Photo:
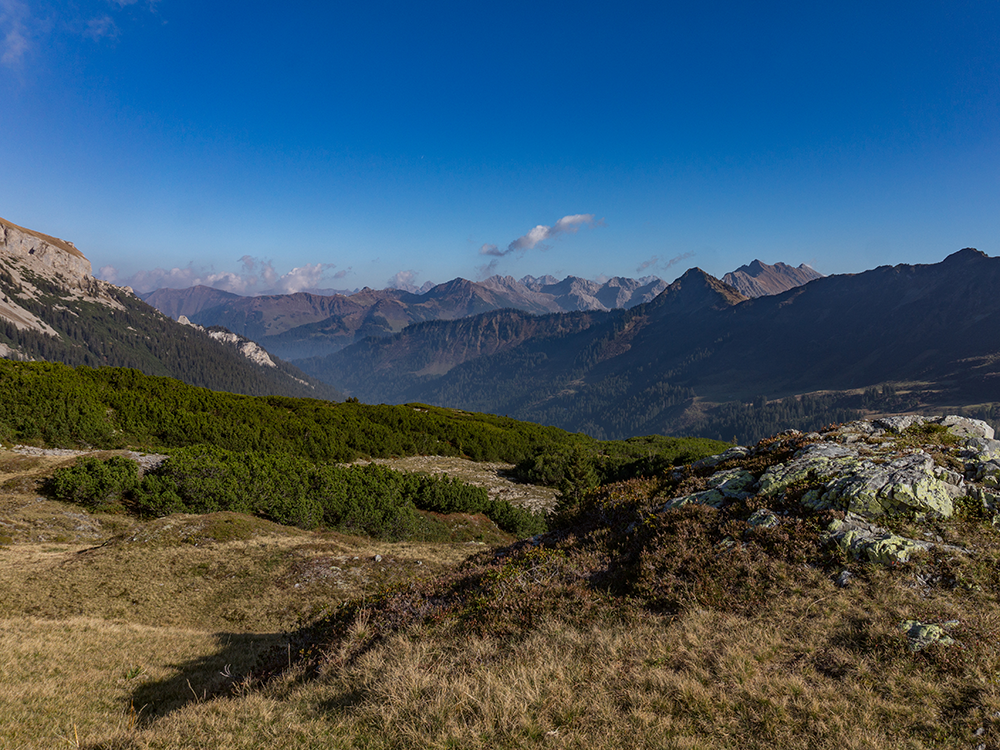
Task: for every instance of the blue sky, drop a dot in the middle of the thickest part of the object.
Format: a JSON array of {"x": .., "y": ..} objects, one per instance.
[{"x": 280, "y": 146}]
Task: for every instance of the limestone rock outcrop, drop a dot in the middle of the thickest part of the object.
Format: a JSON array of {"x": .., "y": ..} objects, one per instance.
[
  {"x": 41, "y": 252},
  {"x": 30, "y": 260},
  {"x": 907, "y": 466}
]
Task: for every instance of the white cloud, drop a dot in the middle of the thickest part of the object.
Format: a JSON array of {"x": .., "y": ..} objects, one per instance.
[
  {"x": 490, "y": 269},
  {"x": 651, "y": 263},
  {"x": 654, "y": 262},
  {"x": 16, "y": 44},
  {"x": 566, "y": 225},
  {"x": 407, "y": 281},
  {"x": 308, "y": 276},
  {"x": 99, "y": 28},
  {"x": 24, "y": 33},
  {"x": 257, "y": 277}
]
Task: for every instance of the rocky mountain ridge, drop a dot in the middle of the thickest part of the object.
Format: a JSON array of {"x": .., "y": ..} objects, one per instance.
[
  {"x": 53, "y": 308},
  {"x": 303, "y": 325},
  {"x": 309, "y": 324},
  {"x": 26, "y": 255}
]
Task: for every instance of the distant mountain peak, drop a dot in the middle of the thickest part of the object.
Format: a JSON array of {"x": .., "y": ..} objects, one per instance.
[
  {"x": 758, "y": 279},
  {"x": 697, "y": 290}
]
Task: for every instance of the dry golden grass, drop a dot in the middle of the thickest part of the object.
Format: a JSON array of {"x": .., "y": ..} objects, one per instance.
[
  {"x": 199, "y": 632},
  {"x": 109, "y": 624},
  {"x": 703, "y": 680}
]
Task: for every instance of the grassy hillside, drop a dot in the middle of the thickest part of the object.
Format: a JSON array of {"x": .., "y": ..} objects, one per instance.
[{"x": 647, "y": 620}]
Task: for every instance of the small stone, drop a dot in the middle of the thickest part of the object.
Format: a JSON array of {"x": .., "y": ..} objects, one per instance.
[
  {"x": 378, "y": 558},
  {"x": 923, "y": 634},
  {"x": 844, "y": 579},
  {"x": 763, "y": 518}
]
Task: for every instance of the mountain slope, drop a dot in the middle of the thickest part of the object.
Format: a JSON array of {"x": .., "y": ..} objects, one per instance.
[
  {"x": 187, "y": 302},
  {"x": 657, "y": 367},
  {"x": 53, "y": 309}
]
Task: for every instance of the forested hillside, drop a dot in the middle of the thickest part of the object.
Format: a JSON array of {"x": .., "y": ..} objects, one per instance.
[{"x": 55, "y": 405}]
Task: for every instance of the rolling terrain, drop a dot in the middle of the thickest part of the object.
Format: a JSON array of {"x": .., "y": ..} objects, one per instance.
[{"x": 795, "y": 593}]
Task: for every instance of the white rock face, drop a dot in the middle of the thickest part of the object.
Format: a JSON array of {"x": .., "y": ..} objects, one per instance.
[
  {"x": 43, "y": 252},
  {"x": 246, "y": 347},
  {"x": 26, "y": 255}
]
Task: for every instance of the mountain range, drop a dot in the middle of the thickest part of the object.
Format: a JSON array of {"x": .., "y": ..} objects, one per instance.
[
  {"x": 676, "y": 364},
  {"x": 52, "y": 308},
  {"x": 303, "y": 325},
  {"x": 776, "y": 347},
  {"x": 296, "y": 326}
]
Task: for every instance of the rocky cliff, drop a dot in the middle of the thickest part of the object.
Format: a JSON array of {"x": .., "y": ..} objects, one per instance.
[
  {"x": 43, "y": 253},
  {"x": 52, "y": 308}
]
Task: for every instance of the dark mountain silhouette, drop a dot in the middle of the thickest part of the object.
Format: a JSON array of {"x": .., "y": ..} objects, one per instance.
[{"x": 932, "y": 330}]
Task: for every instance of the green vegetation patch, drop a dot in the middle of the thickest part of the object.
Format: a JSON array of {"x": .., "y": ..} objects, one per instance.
[{"x": 371, "y": 500}]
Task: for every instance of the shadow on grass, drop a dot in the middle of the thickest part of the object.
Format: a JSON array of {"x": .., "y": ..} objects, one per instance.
[{"x": 242, "y": 659}]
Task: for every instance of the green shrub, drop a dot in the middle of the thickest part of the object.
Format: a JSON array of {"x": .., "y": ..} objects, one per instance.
[
  {"x": 205, "y": 480},
  {"x": 96, "y": 483},
  {"x": 519, "y": 522},
  {"x": 364, "y": 500},
  {"x": 371, "y": 500}
]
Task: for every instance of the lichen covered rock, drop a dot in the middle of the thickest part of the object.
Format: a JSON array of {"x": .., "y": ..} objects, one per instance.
[
  {"x": 924, "y": 634},
  {"x": 911, "y": 484},
  {"x": 731, "y": 484}
]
